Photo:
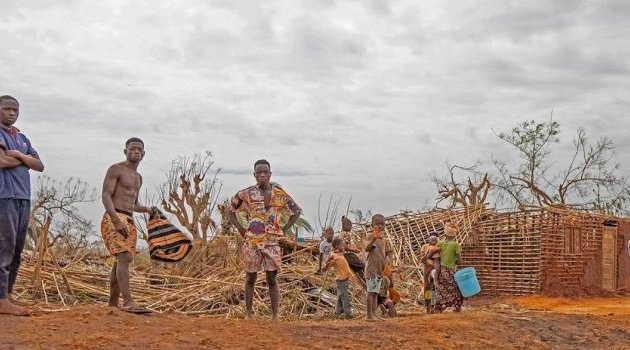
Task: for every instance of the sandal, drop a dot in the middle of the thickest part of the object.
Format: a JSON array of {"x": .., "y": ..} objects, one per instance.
[{"x": 136, "y": 309}]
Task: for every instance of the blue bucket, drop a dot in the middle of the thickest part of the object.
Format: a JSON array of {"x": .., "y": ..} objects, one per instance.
[{"x": 466, "y": 279}]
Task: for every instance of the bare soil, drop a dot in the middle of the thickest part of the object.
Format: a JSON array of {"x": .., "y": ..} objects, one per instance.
[{"x": 509, "y": 323}]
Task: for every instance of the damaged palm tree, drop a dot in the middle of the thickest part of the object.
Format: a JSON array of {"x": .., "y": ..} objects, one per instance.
[{"x": 190, "y": 193}]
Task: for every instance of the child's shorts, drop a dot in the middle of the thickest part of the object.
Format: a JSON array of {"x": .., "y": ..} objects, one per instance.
[{"x": 373, "y": 284}]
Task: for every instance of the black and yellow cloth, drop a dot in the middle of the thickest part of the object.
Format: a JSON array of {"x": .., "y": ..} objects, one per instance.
[{"x": 166, "y": 242}]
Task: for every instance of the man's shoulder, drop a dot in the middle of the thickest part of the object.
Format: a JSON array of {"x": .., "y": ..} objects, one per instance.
[
  {"x": 116, "y": 167},
  {"x": 23, "y": 135},
  {"x": 248, "y": 189},
  {"x": 278, "y": 189},
  {"x": 120, "y": 169}
]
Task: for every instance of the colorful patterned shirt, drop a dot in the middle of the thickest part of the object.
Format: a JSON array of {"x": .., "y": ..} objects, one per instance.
[{"x": 260, "y": 220}]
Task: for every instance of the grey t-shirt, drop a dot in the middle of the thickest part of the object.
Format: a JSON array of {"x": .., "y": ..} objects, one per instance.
[{"x": 325, "y": 248}]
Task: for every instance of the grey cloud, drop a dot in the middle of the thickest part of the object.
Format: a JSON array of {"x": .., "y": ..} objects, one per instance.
[
  {"x": 519, "y": 22},
  {"x": 318, "y": 48},
  {"x": 324, "y": 89}
]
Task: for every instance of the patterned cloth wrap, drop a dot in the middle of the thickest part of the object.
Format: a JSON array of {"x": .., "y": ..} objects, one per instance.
[
  {"x": 447, "y": 292},
  {"x": 166, "y": 242},
  {"x": 115, "y": 242}
]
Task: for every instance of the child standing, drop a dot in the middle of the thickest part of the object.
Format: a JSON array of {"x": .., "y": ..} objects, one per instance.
[
  {"x": 377, "y": 256},
  {"x": 385, "y": 302},
  {"x": 343, "y": 273},
  {"x": 429, "y": 256},
  {"x": 325, "y": 247},
  {"x": 356, "y": 264}
]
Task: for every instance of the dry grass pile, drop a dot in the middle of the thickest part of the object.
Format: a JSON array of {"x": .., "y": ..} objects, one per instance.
[{"x": 209, "y": 281}]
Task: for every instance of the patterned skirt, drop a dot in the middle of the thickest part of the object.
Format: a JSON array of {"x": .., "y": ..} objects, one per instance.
[{"x": 447, "y": 293}]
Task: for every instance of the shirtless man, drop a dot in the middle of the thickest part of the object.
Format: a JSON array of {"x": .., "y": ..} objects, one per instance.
[{"x": 120, "y": 198}]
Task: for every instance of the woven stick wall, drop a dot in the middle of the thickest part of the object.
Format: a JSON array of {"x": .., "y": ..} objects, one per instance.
[
  {"x": 514, "y": 253},
  {"x": 505, "y": 252},
  {"x": 572, "y": 248},
  {"x": 546, "y": 250}
]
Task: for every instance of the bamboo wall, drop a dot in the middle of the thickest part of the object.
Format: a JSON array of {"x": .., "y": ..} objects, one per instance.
[
  {"x": 548, "y": 250},
  {"x": 505, "y": 250},
  {"x": 572, "y": 245}
]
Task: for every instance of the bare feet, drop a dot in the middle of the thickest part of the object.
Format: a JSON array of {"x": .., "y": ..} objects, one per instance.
[
  {"x": 114, "y": 296},
  {"x": 8, "y": 308},
  {"x": 113, "y": 301}
]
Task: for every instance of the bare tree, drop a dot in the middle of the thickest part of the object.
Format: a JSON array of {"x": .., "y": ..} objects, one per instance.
[
  {"x": 591, "y": 178},
  {"x": 474, "y": 190},
  {"x": 191, "y": 192},
  {"x": 59, "y": 201},
  {"x": 226, "y": 228}
]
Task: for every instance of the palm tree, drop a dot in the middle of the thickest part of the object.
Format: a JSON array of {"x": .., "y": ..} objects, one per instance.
[{"x": 300, "y": 224}]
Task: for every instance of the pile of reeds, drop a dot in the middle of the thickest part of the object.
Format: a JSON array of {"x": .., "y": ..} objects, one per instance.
[{"x": 210, "y": 281}]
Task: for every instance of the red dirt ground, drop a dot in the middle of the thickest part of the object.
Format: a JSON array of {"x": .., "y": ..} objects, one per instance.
[{"x": 519, "y": 323}]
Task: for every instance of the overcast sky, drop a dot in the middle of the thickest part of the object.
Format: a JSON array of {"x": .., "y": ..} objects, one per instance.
[{"x": 361, "y": 98}]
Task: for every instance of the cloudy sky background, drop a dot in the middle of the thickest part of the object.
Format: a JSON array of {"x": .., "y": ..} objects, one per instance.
[{"x": 361, "y": 98}]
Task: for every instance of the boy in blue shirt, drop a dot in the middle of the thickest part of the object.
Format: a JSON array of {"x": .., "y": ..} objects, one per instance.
[{"x": 17, "y": 157}]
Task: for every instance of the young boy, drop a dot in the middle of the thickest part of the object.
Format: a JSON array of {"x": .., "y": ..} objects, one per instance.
[
  {"x": 429, "y": 256},
  {"x": 17, "y": 158},
  {"x": 356, "y": 264},
  {"x": 377, "y": 255},
  {"x": 342, "y": 277},
  {"x": 385, "y": 303},
  {"x": 325, "y": 247}
]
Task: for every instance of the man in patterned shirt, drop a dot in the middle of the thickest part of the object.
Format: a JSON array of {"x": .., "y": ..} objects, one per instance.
[{"x": 265, "y": 206}]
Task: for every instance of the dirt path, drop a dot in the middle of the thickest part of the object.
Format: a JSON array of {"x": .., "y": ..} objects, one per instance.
[{"x": 526, "y": 323}]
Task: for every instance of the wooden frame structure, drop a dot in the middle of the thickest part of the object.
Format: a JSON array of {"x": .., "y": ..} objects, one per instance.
[{"x": 544, "y": 250}]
